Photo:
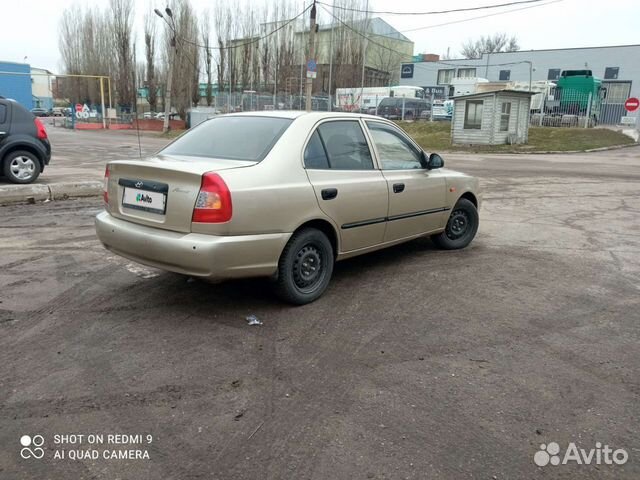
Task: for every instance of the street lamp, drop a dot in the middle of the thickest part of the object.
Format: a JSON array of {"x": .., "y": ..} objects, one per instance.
[{"x": 172, "y": 55}]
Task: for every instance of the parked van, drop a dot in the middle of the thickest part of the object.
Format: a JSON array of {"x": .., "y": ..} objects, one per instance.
[{"x": 391, "y": 108}]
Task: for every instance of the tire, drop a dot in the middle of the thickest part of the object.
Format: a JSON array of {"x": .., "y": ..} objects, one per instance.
[
  {"x": 298, "y": 282},
  {"x": 21, "y": 167},
  {"x": 461, "y": 227}
]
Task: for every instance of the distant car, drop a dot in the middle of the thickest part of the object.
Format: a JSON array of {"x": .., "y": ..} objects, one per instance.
[
  {"x": 61, "y": 111},
  {"x": 40, "y": 112},
  {"x": 161, "y": 115},
  {"x": 283, "y": 195},
  {"x": 24, "y": 146},
  {"x": 148, "y": 115},
  {"x": 391, "y": 108}
]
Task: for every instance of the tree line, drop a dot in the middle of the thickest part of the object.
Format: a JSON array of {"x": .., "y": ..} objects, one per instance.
[{"x": 231, "y": 45}]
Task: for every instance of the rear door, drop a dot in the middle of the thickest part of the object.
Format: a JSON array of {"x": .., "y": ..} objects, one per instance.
[
  {"x": 5, "y": 120},
  {"x": 416, "y": 195},
  {"x": 349, "y": 189}
]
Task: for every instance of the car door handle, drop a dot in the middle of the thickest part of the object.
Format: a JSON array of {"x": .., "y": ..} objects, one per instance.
[
  {"x": 398, "y": 187},
  {"x": 329, "y": 193}
]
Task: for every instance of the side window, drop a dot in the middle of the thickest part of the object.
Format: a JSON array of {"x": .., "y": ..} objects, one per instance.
[
  {"x": 395, "y": 151},
  {"x": 3, "y": 113},
  {"x": 314, "y": 154},
  {"x": 346, "y": 146}
]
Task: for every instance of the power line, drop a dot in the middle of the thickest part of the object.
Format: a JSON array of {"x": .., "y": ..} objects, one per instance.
[
  {"x": 436, "y": 12},
  {"x": 479, "y": 17},
  {"x": 251, "y": 42},
  {"x": 406, "y": 54}
]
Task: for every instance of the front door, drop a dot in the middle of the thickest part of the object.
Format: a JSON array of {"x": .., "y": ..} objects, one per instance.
[
  {"x": 348, "y": 187},
  {"x": 416, "y": 195}
]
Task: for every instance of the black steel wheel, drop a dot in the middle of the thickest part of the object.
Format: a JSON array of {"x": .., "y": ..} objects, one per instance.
[
  {"x": 461, "y": 227},
  {"x": 305, "y": 267}
]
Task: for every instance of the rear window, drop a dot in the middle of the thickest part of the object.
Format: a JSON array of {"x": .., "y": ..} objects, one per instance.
[
  {"x": 3, "y": 113},
  {"x": 231, "y": 138}
]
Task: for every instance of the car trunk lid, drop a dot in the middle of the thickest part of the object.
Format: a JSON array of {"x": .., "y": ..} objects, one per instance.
[{"x": 161, "y": 191}]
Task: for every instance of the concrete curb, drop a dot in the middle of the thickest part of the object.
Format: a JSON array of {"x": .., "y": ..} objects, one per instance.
[
  {"x": 39, "y": 192},
  {"x": 546, "y": 152}
]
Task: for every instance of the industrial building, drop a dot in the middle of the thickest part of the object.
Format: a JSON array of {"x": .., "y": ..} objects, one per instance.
[
  {"x": 17, "y": 87},
  {"x": 41, "y": 92},
  {"x": 617, "y": 66}
]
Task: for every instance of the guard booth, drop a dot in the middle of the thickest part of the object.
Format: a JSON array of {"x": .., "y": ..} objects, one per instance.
[{"x": 491, "y": 118}]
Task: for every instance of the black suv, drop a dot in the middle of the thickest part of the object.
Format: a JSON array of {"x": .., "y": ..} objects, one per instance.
[
  {"x": 414, "y": 108},
  {"x": 24, "y": 146}
]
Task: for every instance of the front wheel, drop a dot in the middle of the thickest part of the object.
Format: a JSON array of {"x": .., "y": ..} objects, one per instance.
[
  {"x": 21, "y": 167},
  {"x": 461, "y": 226},
  {"x": 305, "y": 267}
]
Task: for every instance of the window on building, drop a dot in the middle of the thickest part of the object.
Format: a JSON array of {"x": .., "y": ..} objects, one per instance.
[
  {"x": 466, "y": 72},
  {"x": 505, "y": 115},
  {"x": 505, "y": 75},
  {"x": 611, "y": 73},
  {"x": 473, "y": 114},
  {"x": 554, "y": 74},
  {"x": 446, "y": 76}
]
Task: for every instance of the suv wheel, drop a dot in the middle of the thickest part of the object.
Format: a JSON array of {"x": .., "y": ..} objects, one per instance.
[
  {"x": 21, "y": 167},
  {"x": 305, "y": 267}
]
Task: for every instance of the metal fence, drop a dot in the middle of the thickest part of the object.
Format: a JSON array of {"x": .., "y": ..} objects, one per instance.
[{"x": 568, "y": 108}]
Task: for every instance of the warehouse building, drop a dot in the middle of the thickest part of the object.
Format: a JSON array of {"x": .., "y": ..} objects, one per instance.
[
  {"x": 17, "y": 87},
  {"x": 617, "y": 66}
]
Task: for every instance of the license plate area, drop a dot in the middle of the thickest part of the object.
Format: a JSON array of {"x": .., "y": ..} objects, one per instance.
[{"x": 144, "y": 195}]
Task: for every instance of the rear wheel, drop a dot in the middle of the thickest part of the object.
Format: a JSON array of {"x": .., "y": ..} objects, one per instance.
[
  {"x": 461, "y": 226},
  {"x": 305, "y": 267},
  {"x": 21, "y": 167}
]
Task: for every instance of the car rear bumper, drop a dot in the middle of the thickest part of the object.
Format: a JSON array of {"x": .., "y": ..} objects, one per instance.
[{"x": 195, "y": 254}]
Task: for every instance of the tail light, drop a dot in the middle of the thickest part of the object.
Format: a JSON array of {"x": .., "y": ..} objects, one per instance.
[
  {"x": 105, "y": 188},
  {"x": 41, "y": 132},
  {"x": 213, "y": 204}
]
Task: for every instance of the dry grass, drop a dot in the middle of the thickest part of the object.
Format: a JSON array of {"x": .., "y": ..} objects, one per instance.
[{"x": 436, "y": 136}]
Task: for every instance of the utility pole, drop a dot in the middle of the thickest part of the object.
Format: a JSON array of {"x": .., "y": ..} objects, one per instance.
[
  {"x": 364, "y": 55},
  {"x": 312, "y": 52},
  {"x": 333, "y": 10},
  {"x": 167, "y": 93}
]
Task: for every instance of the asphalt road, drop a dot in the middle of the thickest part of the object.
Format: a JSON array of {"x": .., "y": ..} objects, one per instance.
[{"x": 417, "y": 363}]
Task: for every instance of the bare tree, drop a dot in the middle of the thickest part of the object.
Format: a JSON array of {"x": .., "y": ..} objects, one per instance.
[
  {"x": 150, "y": 58},
  {"x": 498, "y": 42},
  {"x": 222, "y": 20},
  {"x": 122, "y": 33},
  {"x": 186, "y": 68},
  {"x": 205, "y": 33},
  {"x": 86, "y": 49}
]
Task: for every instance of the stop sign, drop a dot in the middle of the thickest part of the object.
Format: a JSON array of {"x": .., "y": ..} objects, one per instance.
[{"x": 632, "y": 104}]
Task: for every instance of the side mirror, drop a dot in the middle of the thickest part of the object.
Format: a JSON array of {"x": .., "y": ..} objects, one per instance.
[{"x": 435, "y": 161}]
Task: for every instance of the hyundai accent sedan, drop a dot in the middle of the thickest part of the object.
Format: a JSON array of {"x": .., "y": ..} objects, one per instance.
[{"x": 283, "y": 195}]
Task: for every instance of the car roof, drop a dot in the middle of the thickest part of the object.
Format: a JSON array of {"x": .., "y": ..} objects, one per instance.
[{"x": 293, "y": 114}]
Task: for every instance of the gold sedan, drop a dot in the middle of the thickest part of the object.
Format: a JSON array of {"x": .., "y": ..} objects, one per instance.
[{"x": 283, "y": 195}]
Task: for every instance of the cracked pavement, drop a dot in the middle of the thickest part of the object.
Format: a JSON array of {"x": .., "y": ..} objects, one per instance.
[{"x": 417, "y": 363}]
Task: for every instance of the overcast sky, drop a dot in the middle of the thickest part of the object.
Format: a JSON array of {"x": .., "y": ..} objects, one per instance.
[{"x": 30, "y": 27}]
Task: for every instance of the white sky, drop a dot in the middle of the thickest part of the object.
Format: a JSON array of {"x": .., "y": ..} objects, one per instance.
[{"x": 30, "y": 27}]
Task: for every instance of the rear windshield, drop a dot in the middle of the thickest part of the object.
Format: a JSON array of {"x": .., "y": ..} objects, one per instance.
[{"x": 231, "y": 138}]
